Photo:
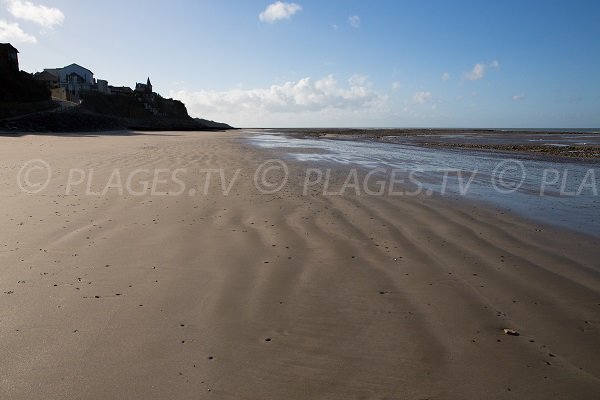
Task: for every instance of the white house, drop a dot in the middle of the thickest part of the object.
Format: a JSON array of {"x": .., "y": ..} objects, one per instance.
[{"x": 73, "y": 78}]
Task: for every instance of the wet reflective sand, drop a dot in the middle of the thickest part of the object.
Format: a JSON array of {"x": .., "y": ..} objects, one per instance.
[{"x": 561, "y": 192}]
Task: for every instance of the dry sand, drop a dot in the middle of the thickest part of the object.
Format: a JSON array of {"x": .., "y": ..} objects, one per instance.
[{"x": 283, "y": 296}]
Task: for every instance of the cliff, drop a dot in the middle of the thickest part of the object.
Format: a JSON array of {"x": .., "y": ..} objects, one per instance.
[
  {"x": 21, "y": 94},
  {"x": 103, "y": 112},
  {"x": 19, "y": 86}
]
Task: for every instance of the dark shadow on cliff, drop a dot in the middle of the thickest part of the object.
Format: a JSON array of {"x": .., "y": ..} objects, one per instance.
[{"x": 86, "y": 134}]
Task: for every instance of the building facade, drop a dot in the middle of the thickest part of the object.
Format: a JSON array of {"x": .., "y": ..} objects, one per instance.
[
  {"x": 144, "y": 89},
  {"x": 102, "y": 86},
  {"x": 119, "y": 90},
  {"x": 73, "y": 78},
  {"x": 48, "y": 79}
]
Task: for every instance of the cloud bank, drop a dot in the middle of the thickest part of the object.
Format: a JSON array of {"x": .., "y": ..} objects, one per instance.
[
  {"x": 325, "y": 96},
  {"x": 279, "y": 11}
]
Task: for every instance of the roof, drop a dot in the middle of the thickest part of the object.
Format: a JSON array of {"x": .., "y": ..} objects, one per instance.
[
  {"x": 53, "y": 71},
  {"x": 120, "y": 88},
  {"x": 45, "y": 76},
  {"x": 77, "y": 65},
  {"x": 8, "y": 46}
]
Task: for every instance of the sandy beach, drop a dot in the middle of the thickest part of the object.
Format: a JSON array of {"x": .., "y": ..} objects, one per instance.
[{"x": 289, "y": 295}]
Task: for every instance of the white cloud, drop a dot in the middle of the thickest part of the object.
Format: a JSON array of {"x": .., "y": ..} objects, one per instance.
[
  {"x": 421, "y": 97},
  {"x": 480, "y": 69},
  {"x": 445, "y": 76},
  {"x": 334, "y": 26},
  {"x": 518, "y": 97},
  {"x": 325, "y": 97},
  {"x": 278, "y": 11},
  {"x": 396, "y": 86},
  {"x": 354, "y": 21},
  {"x": 12, "y": 32},
  {"x": 476, "y": 73},
  {"x": 45, "y": 16}
]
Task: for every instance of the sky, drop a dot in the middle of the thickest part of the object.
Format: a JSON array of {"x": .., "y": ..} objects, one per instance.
[{"x": 503, "y": 64}]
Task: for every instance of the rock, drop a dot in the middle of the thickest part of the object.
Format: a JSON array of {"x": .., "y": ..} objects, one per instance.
[{"x": 510, "y": 332}]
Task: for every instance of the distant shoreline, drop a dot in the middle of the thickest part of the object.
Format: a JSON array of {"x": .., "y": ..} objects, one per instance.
[{"x": 421, "y": 130}]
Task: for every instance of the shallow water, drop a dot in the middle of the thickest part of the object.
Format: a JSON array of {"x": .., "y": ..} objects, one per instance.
[
  {"x": 508, "y": 138},
  {"x": 564, "y": 193}
]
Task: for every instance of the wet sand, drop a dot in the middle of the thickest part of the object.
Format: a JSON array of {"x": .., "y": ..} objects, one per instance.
[
  {"x": 281, "y": 296},
  {"x": 580, "y": 144}
]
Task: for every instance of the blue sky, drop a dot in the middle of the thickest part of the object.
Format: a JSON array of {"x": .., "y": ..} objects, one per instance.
[{"x": 333, "y": 63}]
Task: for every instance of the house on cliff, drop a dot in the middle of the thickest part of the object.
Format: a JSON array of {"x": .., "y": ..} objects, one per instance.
[
  {"x": 144, "y": 88},
  {"x": 51, "y": 82},
  {"x": 143, "y": 92},
  {"x": 9, "y": 59},
  {"x": 75, "y": 78},
  {"x": 120, "y": 90}
]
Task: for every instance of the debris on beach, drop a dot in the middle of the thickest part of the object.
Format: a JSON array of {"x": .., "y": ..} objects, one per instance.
[{"x": 510, "y": 332}]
